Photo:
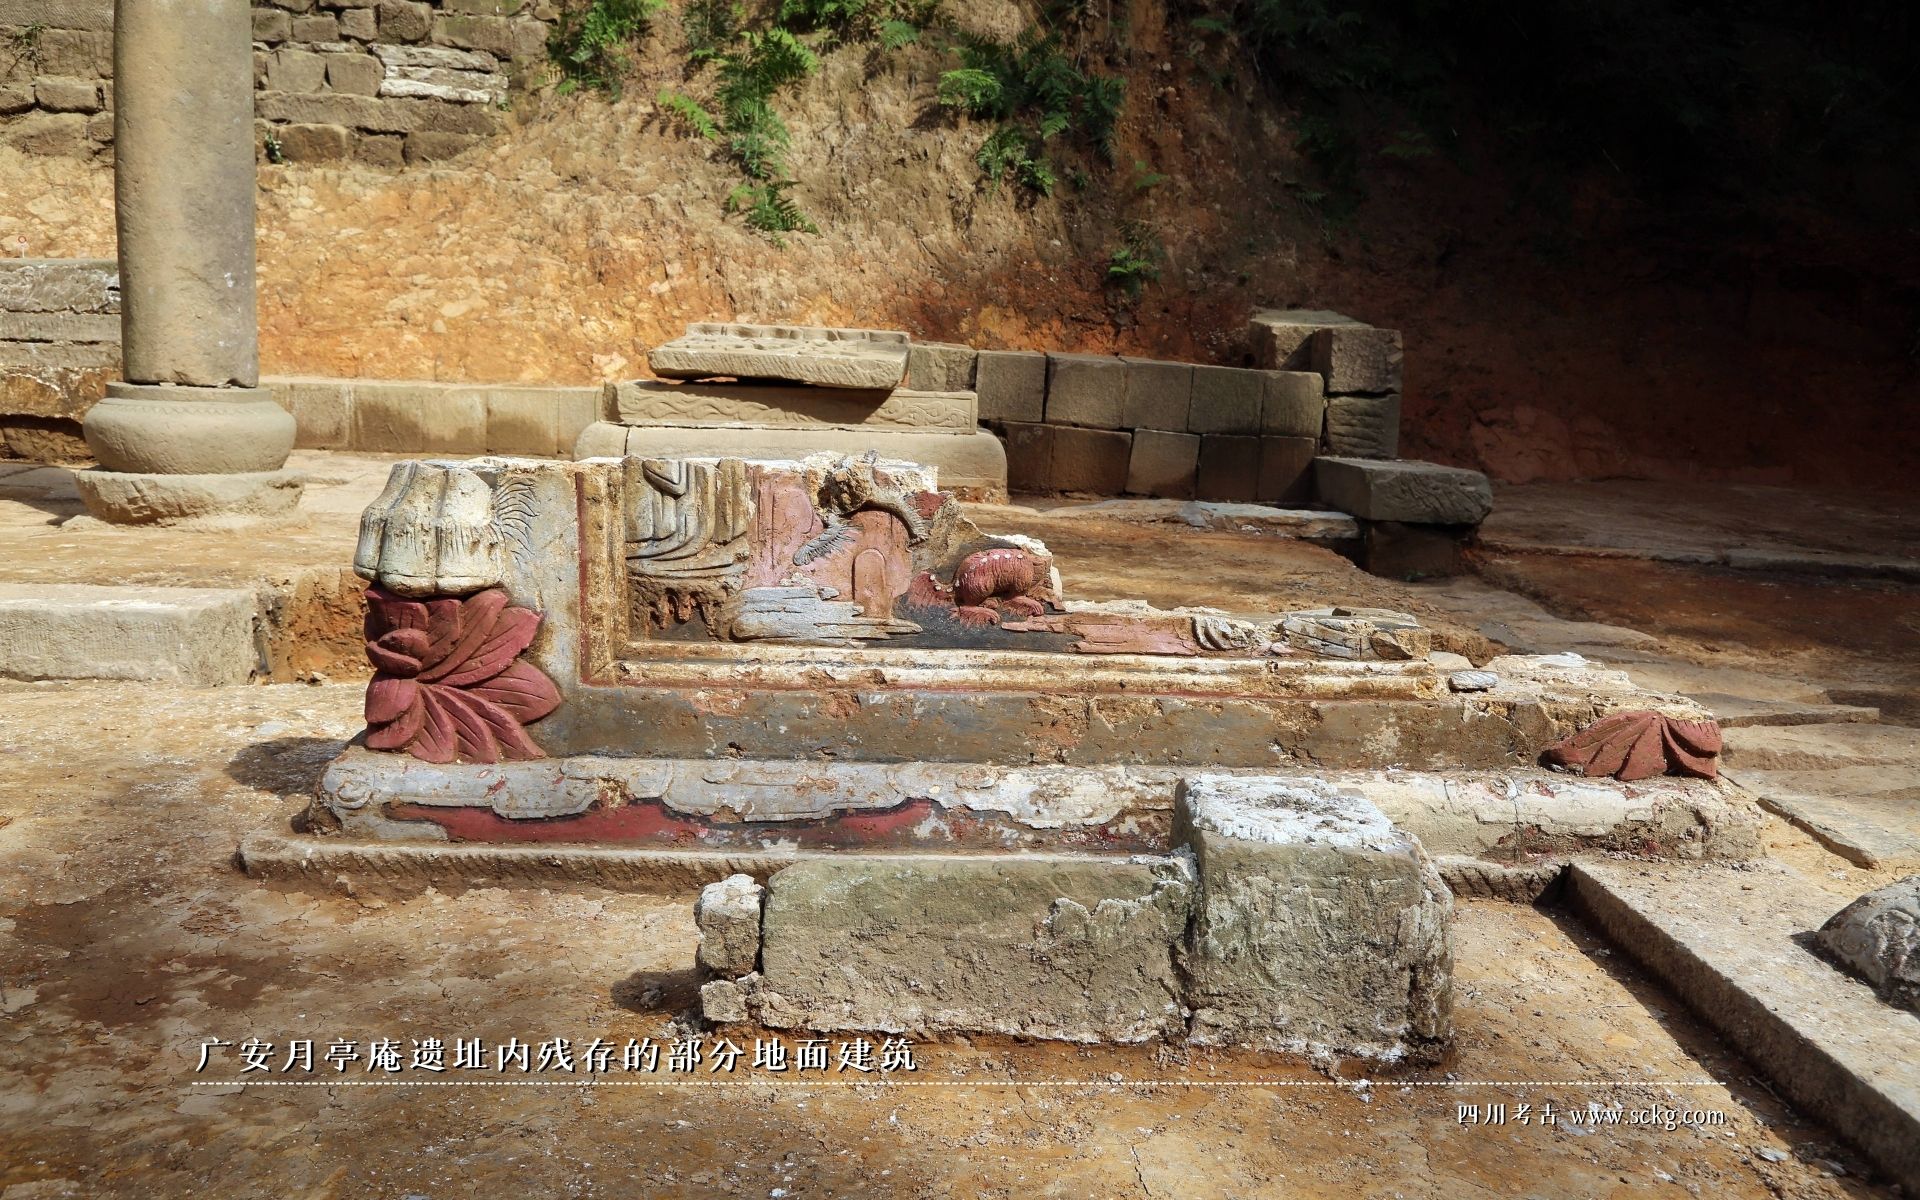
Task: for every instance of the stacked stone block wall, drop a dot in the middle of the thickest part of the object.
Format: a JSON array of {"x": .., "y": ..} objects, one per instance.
[
  {"x": 383, "y": 82},
  {"x": 59, "y": 346},
  {"x": 1114, "y": 425}
]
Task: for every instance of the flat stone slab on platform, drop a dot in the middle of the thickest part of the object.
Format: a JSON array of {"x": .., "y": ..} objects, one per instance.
[
  {"x": 195, "y": 637},
  {"x": 1868, "y": 815},
  {"x": 1305, "y": 523},
  {"x": 651, "y": 402},
  {"x": 835, "y": 358},
  {"x": 1735, "y": 946},
  {"x": 1417, "y": 493}
]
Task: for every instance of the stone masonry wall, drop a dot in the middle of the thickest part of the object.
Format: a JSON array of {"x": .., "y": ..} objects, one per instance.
[
  {"x": 384, "y": 82},
  {"x": 59, "y": 346}
]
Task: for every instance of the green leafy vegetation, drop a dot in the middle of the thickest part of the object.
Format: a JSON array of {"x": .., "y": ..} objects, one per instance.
[
  {"x": 588, "y": 42},
  {"x": 1135, "y": 262}
]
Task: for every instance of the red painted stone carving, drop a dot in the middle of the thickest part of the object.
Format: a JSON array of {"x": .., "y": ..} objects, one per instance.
[
  {"x": 1640, "y": 745},
  {"x": 991, "y": 582},
  {"x": 449, "y": 684}
]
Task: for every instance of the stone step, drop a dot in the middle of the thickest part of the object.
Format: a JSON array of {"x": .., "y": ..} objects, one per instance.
[
  {"x": 195, "y": 637},
  {"x": 1734, "y": 946},
  {"x": 1868, "y": 815},
  {"x": 1794, "y": 747}
]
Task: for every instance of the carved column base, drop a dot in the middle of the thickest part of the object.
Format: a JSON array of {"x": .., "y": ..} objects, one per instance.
[
  {"x": 166, "y": 429},
  {"x": 125, "y": 498}
]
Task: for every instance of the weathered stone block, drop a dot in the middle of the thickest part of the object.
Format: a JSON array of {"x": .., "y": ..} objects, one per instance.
[
  {"x": 355, "y": 74},
  {"x": 314, "y": 143},
  {"x": 1358, "y": 358},
  {"x": 197, "y": 637},
  {"x": 77, "y": 52},
  {"x": 1319, "y": 927},
  {"x": 529, "y": 41},
  {"x": 58, "y": 94},
  {"x": 1363, "y": 426},
  {"x": 359, "y": 24},
  {"x": 1286, "y": 468},
  {"x": 543, "y": 421},
  {"x": 52, "y": 134},
  {"x": 1090, "y": 460},
  {"x": 655, "y": 402},
  {"x": 1283, "y": 338},
  {"x": 1033, "y": 946},
  {"x": 419, "y": 417},
  {"x": 59, "y": 327},
  {"x": 15, "y": 98},
  {"x": 1029, "y": 456},
  {"x": 272, "y": 25},
  {"x": 1293, "y": 404},
  {"x": 44, "y": 440},
  {"x": 51, "y": 285},
  {"x": 1159, "y": 395},
  {"x": 1229, "y": 468},
  {"x": 1877, "y": 937},
  {"x": 1089, "y": 390},
  {"x": 380, "y": 149},
  {"x": 290, "y": 70},
  {"x": 373, "y": 115},
  {"x": 1226, "y": 400},
  {"x": 404, "y": 21},
  {"x": 825, "y": 357},
  {"x": 484, "y": 8},
  {"x": 59, "y": 14},
  {"x": 940, "y": 367},
  {"x": 317, "y": 27},
  {"x": 492, "y": 34},
  {"x": 432, "y": 147},
  {"x": 1163, "y": 464},
  {"x": 1012, "y": 385},
  {"x": 1418, "y": 493},
  {"x": 728, "y": 916},
  {"x": 322, "y": 410},
  {"x": 1395, "y": 550}
]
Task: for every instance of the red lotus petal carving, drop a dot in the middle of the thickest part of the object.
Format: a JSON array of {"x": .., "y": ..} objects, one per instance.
[
  {"x": 1641, "y": 745},
  {"x": 450, "y": 685}
]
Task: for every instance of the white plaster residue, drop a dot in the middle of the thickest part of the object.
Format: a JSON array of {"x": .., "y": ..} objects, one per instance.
[{"x": 1288, "y": 812}]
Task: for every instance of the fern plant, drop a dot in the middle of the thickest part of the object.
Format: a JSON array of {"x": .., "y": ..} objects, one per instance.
[
  {"x": 588, "y": 42},
  {"x": 1036, "y": 93},
  {"x": 1135, "y": 261}
]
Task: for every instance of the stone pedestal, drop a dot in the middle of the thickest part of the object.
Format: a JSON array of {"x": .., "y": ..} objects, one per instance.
[{"x": 189, "y": 433}]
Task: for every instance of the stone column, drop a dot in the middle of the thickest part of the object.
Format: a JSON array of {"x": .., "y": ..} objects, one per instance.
[{"x": 189, "y": 432}]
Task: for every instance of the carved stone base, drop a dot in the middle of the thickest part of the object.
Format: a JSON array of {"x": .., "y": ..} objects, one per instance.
[{"x": 130, "y": 499}]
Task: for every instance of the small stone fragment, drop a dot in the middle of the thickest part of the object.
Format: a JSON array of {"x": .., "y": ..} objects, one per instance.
[
  {"x": 1473, "y": 681},
  {"x": 1877, "y": 937},
  {"x": 728, "y": 914}
]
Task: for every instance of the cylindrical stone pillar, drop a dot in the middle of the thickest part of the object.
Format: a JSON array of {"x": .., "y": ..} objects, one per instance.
[{"x": 189, "y": 432}]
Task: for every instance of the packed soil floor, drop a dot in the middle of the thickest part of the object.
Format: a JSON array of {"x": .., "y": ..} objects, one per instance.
[{"x": 128, "y": 938}]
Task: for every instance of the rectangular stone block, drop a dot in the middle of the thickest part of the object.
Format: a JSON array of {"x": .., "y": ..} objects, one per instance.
[
  {"x": 1293, "y": 404},
  {"x": 52, "y": 285},
  {"x": 1071, "y": 949},
  {"x": 1363, "y": 426},
  {"x": 1286, "y": 468},
  {"x": 355, "y": 74},
  {"x": 940, "y": 367},
  {"x": 1159, "y": 395},
  {"x": 1029, "y": 456},
  {"x": 322, "y": 410},
  {"x": 373, "y": 114},
  {"x": 1229, "y": 468},
  {"x": 861, "y": 359},
  {"x": 291, "y": 70},
  {"x": 50, "y": 134},
  {"x": 78, "y": 52},
  {"x": 1358, "y": 358},
  {"x": 61, "y": 94},
  {"x": 492, "y": 34},
  {"x": 194, "y": 637},
  {"x": 534, "y": 420},
  {"x": 1226, "y": 400},
  {"x": 404, "y": 21},
  {"x": 1418, "y": 493},
  {"x": 1090, "y": 460},
  {"x": 414, "y": 418},
  {"x": 1319, "y": 927},
  {"x": 359, "y": 24},
  {"x": 1283, "y": 338},
  {"x": 1088, "y": 390},
  {"x": 95, "y": 15},
  {"x": 1011, "y": 384},
  {"x": 59, "y": 327},
  {"x": 653, "y": 402},
  {"x": 272, "y": 25},
  {"x": 1163, "y": 464}
]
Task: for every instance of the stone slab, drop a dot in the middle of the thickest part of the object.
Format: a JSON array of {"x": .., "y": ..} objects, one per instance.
[
  {"x": 1363, "y": 426},
  {"x": 1089, "y": 460},
  {"x": 1011, "y": 384},
  {"x": 1319, "y": 927},
  {"x": 54, "y": 285},
  {"x": 650, "y": 402},
  {"x": 1286, "y": 468},
  {"x": 1418, "y": 493},
  {"x": 970, "y": 463},
  {"x": 940, "y": 367},
  {"x": 838, "y": 358},
  {"x": 1051, "y": 947},
  {"x": 407, "y": 417},
  {"x": 1293, "y": 404},
  {"x": 193, "y": 637},
  {"x": 1357, "y": 358},
  {"x": 322, "y": 410},
  {"x": 1159, "y": 395},
  {"x": 59, "y": 327},
  {"x": 1226, "y": 400},
  {"x": 1733, "y": 946},
  {"x": 1283, "y": 338},
  {"x": 1308, "y": 524},
  {"x": 1822, "y": 747},
  {"x": 207, "y": 501},
  {"x": 1868, "y": 815},
  {"x": 1229, "y": 468},
  {"x": 1029, "y": 446},
  {"x": 1089, "y": 390},
  {"x": 1163, "y": 464},
  {"x": 535, "y": 420}
]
